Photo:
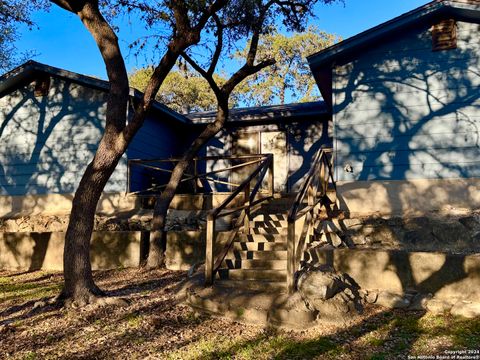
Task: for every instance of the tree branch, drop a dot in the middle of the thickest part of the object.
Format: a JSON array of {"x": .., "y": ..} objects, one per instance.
[
  {"x": 71, "y": 6},
  {"x": 212, "y": 9},
  {"x": 205, "y": 74},
  {"x": 218, "y": 48},
  {"x": 244, "y": 72}
]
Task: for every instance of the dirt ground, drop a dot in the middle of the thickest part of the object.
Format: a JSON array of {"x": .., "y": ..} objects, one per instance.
[{"x": 157, "y": 325}]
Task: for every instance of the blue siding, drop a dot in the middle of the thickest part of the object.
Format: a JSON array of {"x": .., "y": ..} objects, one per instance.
[
  {"x": 47, "y": 142},
  {"x": 402, "y": 111},
  {"x": 158, "y": 138}
]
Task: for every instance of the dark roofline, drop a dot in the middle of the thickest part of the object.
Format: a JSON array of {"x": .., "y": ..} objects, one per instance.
[
  {"x": 269, "y": 113},
  {"x": 463, "y": 8},
  {"x": 24, "y": 71}
]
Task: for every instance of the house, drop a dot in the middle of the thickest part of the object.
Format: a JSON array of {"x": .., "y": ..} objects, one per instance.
[
  {"x": 405, "y": 104},
  {"x": 51, "y": 122},
  {"x": 401, "y": 110}
]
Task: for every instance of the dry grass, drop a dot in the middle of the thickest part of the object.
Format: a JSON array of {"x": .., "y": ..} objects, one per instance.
[{"x": 155, "y": 325}]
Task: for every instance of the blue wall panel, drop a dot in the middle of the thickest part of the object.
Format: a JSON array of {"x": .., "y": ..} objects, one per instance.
[
  {"x": 47, "y": 142},
  {"x": 160, "y": 137},
  {"x": 402, "y": 111}
]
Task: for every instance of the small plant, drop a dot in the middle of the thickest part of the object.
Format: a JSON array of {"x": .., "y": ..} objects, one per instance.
[
  {"x": 30, "y": 356},
  {"x": 378, "y": 356},
  {"x": 240, "y": 312}
]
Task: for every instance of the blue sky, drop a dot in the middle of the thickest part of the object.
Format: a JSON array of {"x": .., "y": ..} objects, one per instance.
[{"x": 62, "y": 41}]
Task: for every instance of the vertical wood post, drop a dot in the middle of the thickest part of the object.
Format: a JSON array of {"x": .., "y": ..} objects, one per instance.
[
  {"x": 271, "y": 178},
  {"x": 246, "y": 222},
  {"x": 310, "y": 201},
  {"x": 323, "y": 178},
  {"x": 195, "y": 174},
  {"x": 210, "y": 241},
  {"x": 291, "y": 266}
]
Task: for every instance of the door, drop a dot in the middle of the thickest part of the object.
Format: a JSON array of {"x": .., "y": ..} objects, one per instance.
[
  {"x": 275, "y": 142},
  {"x": 244, "y": 143}
]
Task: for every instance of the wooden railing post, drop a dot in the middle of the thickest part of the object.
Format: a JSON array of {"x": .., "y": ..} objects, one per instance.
[
  {"x": 291, "y": 263},
  {"x": 246, "y": 223},
  {"x": 324, "y": 182},
  {"x": 210, "y": 241},
  {"x": 271, "y": 178},
  {"x": 195, "y": 174},
  {"x": 310, "y": 202}
]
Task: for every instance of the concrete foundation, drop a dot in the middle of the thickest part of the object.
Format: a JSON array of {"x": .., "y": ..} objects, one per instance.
[
  {"x": 363, "y": 198},
  {"x": 109, "y": 204},
  {"x": 28, "y": 251},
  {"x": 187, "y": 248}
]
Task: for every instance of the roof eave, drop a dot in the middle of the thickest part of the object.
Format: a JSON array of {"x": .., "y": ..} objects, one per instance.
[
  {"x": 348, "y": 46},
  {"x": 251, "y": 119},
  {"x": 27, "y": 69}
]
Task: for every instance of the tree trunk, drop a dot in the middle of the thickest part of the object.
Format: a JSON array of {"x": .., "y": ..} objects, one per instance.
[
  {"x": 79, "y": 285},
  {"x": 158, "y": 236}
]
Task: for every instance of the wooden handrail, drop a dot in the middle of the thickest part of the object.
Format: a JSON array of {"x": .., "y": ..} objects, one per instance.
[
  {"x": 315, "y": 188},
  {"x": 196, "y": 176},
  {"x": 212, "y": 264},
  {"x": 233, "y": 195},
  {"x": 220, "y": 157},
  {"x": 292, "y": 214}
]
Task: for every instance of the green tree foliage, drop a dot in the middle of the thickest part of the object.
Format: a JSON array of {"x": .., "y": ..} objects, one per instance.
[
  {"x": 290, "y": 77},
  {"x": 182, "y": 91},
  {"x": 13, "y": 13}
]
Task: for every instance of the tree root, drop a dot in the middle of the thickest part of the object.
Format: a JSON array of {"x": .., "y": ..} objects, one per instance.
[{"x": 90, "y": 299}]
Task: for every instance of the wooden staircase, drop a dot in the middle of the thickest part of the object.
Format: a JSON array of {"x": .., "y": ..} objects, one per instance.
[
  {"x": 258, "y": 261},
  {"x": 269, "y": 234}
]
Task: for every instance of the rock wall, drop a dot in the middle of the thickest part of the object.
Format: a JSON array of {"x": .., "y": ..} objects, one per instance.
[
  {"x": 446, "y": 276},
  {"x": 28, "y": 251}
]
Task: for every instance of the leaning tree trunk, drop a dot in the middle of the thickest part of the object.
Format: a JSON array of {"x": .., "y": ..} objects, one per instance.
[
  {"x": 158, "y": 236},
  {"x": 79, "y": 285}
]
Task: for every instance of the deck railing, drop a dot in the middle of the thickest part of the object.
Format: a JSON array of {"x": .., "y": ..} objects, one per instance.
[
  {"x": 250, "y": 188},
  {"x": 304, "y": 212},
  {"x": 196, "y": 176}
]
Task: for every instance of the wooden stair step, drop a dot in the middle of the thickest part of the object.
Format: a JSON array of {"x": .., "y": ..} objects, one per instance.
[
  {"x": 258, "y": 255},
  {"x": 269, "y": 224},
  {"x": 261, "y": 238},
  {"x": 254, "y": 264},
  {"x": 269, "y": 230},
  {"x": 270, "y": 217},
  {"x": 259, "y": 246},
  {"x": 252, "y": 274}
]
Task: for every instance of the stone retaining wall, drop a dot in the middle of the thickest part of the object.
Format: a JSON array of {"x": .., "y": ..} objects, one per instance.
[
  {"x": 443, "y": 275},
  {"x": 34, "y": 251},
  {"x": 24, "y": 251}
]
